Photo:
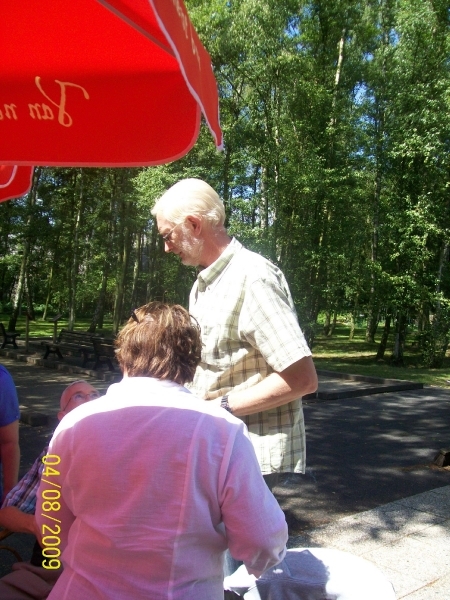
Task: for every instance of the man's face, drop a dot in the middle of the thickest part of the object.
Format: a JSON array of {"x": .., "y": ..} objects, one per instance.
[
  {"x": 77, "y": 394},
  {"x": 179, "y": 240}
]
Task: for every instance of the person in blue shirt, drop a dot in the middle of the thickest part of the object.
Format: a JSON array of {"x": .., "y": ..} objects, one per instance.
[{"x": 9, "y": 432}]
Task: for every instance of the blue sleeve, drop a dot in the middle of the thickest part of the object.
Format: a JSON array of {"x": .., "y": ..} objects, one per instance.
[{"x": 9, "y": 403}]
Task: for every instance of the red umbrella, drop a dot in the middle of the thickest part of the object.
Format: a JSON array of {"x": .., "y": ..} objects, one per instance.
[{"x": 99, "y": 83}]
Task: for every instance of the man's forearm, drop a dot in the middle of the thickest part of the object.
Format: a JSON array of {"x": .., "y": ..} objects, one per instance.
[
  {"x": 15, "y": 520},
  {"x": 275, "y": 390}
]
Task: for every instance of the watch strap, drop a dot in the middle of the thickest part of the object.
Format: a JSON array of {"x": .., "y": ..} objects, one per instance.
[{"x": 224, "y": 403}]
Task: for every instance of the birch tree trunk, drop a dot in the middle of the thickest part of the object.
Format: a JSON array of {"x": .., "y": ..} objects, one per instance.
[
  {"x": 18, "y": 296},
  {"x": 73, "y": 281}
]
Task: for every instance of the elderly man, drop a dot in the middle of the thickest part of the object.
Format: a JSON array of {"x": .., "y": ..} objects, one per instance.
[
  {"x": 30, "y": 581},
  {"x": 255, "y": 360},
  {"x": 9, "y": 432}
]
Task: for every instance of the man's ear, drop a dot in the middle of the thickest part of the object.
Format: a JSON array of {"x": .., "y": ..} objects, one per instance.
[{"x": 195, "y": 224}]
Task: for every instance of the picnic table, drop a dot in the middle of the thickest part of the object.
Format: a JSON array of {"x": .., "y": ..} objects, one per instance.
[
  {"x": 104, "y": 351},
  {"x": 92, "y": 348},
  {"x": 9, "y": 337}
]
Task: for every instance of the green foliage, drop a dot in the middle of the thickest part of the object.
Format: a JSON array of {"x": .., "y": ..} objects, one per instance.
[
  {"x": 356, "y": 356},
  {"x": 336, "y": 167}
]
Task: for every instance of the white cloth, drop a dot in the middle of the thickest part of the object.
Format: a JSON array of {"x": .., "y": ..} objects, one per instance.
[
  {"x": 314, "y": 574},
  {"x": 155, "y": 485}
]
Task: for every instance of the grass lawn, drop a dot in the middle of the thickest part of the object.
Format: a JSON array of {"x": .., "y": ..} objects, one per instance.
[
  {"x": 40, "y": 328},
  {"x": 358, "y": 357},
  {"x": 337, "y": 353}
]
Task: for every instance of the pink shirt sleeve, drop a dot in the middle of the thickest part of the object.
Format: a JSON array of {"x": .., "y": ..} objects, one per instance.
[{"x": 255, "y": 525}]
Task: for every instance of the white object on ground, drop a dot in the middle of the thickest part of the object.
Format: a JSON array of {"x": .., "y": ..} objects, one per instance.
[{"x": 314, "y": 574}]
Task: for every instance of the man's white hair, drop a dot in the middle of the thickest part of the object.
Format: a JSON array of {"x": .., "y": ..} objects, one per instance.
[{"x": 190, "y": 197}]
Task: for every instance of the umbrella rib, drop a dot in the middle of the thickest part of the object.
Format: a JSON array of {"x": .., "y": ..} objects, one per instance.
[{"x": 166, "y": 48}]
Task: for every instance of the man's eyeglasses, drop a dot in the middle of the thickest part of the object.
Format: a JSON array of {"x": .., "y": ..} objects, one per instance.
[
  {"x": 166, "y": 236},
  {"x": 80, "y": 397}
]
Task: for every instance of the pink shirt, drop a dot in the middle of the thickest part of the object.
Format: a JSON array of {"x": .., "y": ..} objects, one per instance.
[{"x": 155, "y": 485}]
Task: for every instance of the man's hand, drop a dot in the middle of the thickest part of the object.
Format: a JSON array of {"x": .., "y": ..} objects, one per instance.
[{"x": 277, "y": 389}]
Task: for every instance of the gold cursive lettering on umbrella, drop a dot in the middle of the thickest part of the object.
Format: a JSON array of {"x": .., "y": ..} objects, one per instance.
[{"x": 64, "y": 118}]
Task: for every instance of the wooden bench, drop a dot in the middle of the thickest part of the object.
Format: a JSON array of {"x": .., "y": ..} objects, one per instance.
[
  {"x": 9, "y": 337},
  {"x": 71, "y": 341},
  {"x": 104, "y": 352},
  {"x": 92, "y": 347}
]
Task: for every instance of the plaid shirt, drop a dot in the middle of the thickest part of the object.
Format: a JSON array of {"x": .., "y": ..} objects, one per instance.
[
  {"x": 249, "y": 330},
  {"x": 23, "y": 495}
]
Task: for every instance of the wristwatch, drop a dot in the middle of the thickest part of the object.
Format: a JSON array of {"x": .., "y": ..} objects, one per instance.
[{"x": 224, "y": 403}]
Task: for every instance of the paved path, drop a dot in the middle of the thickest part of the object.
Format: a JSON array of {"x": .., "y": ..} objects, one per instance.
[
  {"x": 369, "y": 487},
  {"x": 408, "y": 540}
]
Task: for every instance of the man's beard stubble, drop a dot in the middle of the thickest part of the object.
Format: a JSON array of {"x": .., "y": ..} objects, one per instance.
[{"x": 191, "y": 248}]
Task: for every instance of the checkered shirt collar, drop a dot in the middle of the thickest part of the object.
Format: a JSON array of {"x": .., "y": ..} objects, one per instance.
[{"x": 206, "y": 277}]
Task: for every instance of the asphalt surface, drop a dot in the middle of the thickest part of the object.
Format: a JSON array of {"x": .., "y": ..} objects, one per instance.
[
  {"x": 362, "y": 452},
  {"x": 367, "y": 451}
]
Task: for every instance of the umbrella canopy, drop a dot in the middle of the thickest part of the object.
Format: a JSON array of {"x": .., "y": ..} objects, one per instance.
[{"x": 99, "y": 83}]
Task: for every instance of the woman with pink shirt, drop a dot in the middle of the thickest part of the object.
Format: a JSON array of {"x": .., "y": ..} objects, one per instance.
[{"x": 150, "y": 485}]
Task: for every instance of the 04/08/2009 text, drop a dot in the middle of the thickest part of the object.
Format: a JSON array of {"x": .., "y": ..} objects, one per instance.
[{"x": 50, "y": 496}]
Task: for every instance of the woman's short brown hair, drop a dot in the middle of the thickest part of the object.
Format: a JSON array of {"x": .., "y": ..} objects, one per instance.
[{"x": 161, "y": 341}]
